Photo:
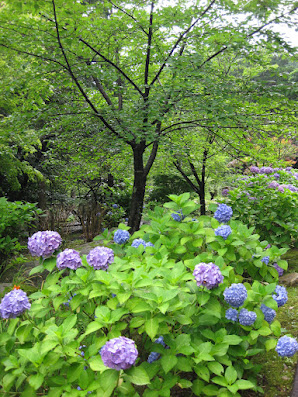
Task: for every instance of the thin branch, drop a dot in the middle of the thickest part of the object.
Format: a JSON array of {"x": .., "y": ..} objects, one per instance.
[
  {"x": 189, "y": 181},
  {"x": 147, "y": 63},
  {"x": 182, "y": 35}
]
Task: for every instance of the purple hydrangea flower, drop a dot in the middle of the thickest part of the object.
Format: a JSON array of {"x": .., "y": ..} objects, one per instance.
[
  {"x": 225, "y": 192},
  {"x": 288, "y": 169},
  {"x": 119, "y": 353},
  {"x": 100, "y": 258},
  {"x": 280, "y": 271},
  {"x": 232, "y": 314},
  {"x": 137, "y": 242},
  {"x": 265, "y": 260},
  {"x": 286, "y": 346},
  {"x": 246, "y": 317},
  {"x": 282, "y": 296},
  {"x": 223, "y": 213},
  {"x": 224, "y": 231},
  {"x": 44, "y": 243},
  {"x": 276, "y": 175},
  {"x": 281, "y": 189},
  {"x": 254, "y": 169},
  {"x": 273, "y": 185},
  {"x": 235, "y": 295},
  {"x": 208, "y": 275},
  {"x": 269, "y": 313},
  {"x": 266, "y": 170},
  {"x": 115, "y": 205},
  {"x": 69, "y": 258},
  {"x": 14, "y": 303},
  {"x": 267, "y": 247},
  {"x": 292, "y": 188},
  {"x": 121, "y": 236}
]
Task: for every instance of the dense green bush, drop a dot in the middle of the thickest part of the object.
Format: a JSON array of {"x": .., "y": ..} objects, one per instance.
[
  {"x": 273, "y": 211},
  {"x": 146, "y": 293},
  {"x": 15, "y": 219}
]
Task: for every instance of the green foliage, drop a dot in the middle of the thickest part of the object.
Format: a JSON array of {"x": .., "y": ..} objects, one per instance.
[
  {"x": 15, "y": 220},
  {"x": 273, "y": 213},
  {"x": 165, "y": 184},
  {"x": 144, "y": 294}
]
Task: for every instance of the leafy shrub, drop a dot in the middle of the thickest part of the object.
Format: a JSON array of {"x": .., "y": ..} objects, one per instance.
[
  {"x": 268, "y": 204},
  {"x": 150, "y": 296},
  {"x": 15, "y": 219}
]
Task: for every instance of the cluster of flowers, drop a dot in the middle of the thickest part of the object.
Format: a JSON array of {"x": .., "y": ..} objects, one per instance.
[
  {"x": 223, "y": 214},
  {"x": 207, "y": 275},
  {"x": 139, "y": 241}
]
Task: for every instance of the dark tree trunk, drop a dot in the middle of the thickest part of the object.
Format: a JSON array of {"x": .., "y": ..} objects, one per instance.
[
  {"x": 202, "y": 192},
  {"x": 139, "y": 186}
]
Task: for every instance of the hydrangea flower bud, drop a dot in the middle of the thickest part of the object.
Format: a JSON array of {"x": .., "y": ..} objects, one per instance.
[
  {"x": 14, "y": 303},
  {"x": 224, "y": 231},
  {"x": 119, "y": 353},
  {"x": 121, "y": 236},
  {"x": 246, "y": 317},
  {"x": 286, "y": 346},
  {"x": 282, "y": 296},
  {"x": 232, "y": 314},
  {"x": 280, "y": 271},
  {"x": 100, "y": 258},
  {"x": 235, "y": 295},
  {"x": 44, "y": 243},
  {"x": 207, "y": 275},
  {"x": 223, "y": 213},
  {"x": 269, "y": 314},
  {"x": 69, "y": 258},
  {"x": 265, "y": 260}
]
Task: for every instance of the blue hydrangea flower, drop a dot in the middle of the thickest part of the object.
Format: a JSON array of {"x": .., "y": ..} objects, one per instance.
[
  {"x": 121, "y": 236},
  {"x": 265, "y": 260},
  {"x": 246, "y": 317},
  {"x": 14, "y": 303},
  {"x": 282, "y": 296},
  {"x": 149, "y": 244},
  {"x": 119, "y": 353},
  {"x": 154, "y": 356},
  {"x": 235, "y": 295},
  {"x": 223, "y": 213},
  {"x": 232, "y": 314},
  {"x": 207, "y": 275},
  {"x": 137, "y": 242},
  {"x": 115, "y": 205},
  {"x": 178, "y": 216},
  {"x": 224, "y": 231},
  {"x": 69, "y": 258},
  {"x": 269, "y": 313},
  {"x": 286, "y": 346}
]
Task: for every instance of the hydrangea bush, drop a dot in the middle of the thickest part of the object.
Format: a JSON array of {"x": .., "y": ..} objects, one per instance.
[
  {"x": 267, "y": 199},
  {"x": 172, "y": 299}
]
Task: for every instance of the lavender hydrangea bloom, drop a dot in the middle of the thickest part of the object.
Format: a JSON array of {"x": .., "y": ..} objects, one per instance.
[
  {"x": 281, "y": 189},
  {"x": 119, "y": 353},
  {"x": 266, "y": 170},
  {"x": 282, "y": 296},
  {"x": 280, "y": 271},
  {"x": 267, "y": 247},
  {"x": 224, "y": 231},
  {"x": 149, "y": 244},
  {"x": 137, "y": 242},
  {"x": 232, "y": 314},
  {"x": 269, "y": 313},
  {"x": 121, "y": 236},
  {"x": 265, "y": 260},
  {"x": 14, "y": 303},
  {"x": 276, "y": 175},
  {"x": 223, "y": 213},
  {"x": 292, "y": 188},
  {"x": 286, "y": 346},
  {"x": 44, "y": 243},
  {"x": 208, "y": 275},
  {"x": 100, "y": 258},
  {"x": 246, "y": 317},
  {"x": 115, "y": 205},
  {"x": 225, "y": 192},
  {"x": 235, "y": 295},
  {"x": 288, "y": 169},
  {"x": 254, "y": 169},
  {"x": 69, "y": 258}
]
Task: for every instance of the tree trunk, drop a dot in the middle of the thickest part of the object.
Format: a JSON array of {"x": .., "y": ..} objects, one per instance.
[
  {"x": 203, "y": 183},
  {"x": 139, "y": 186}
]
